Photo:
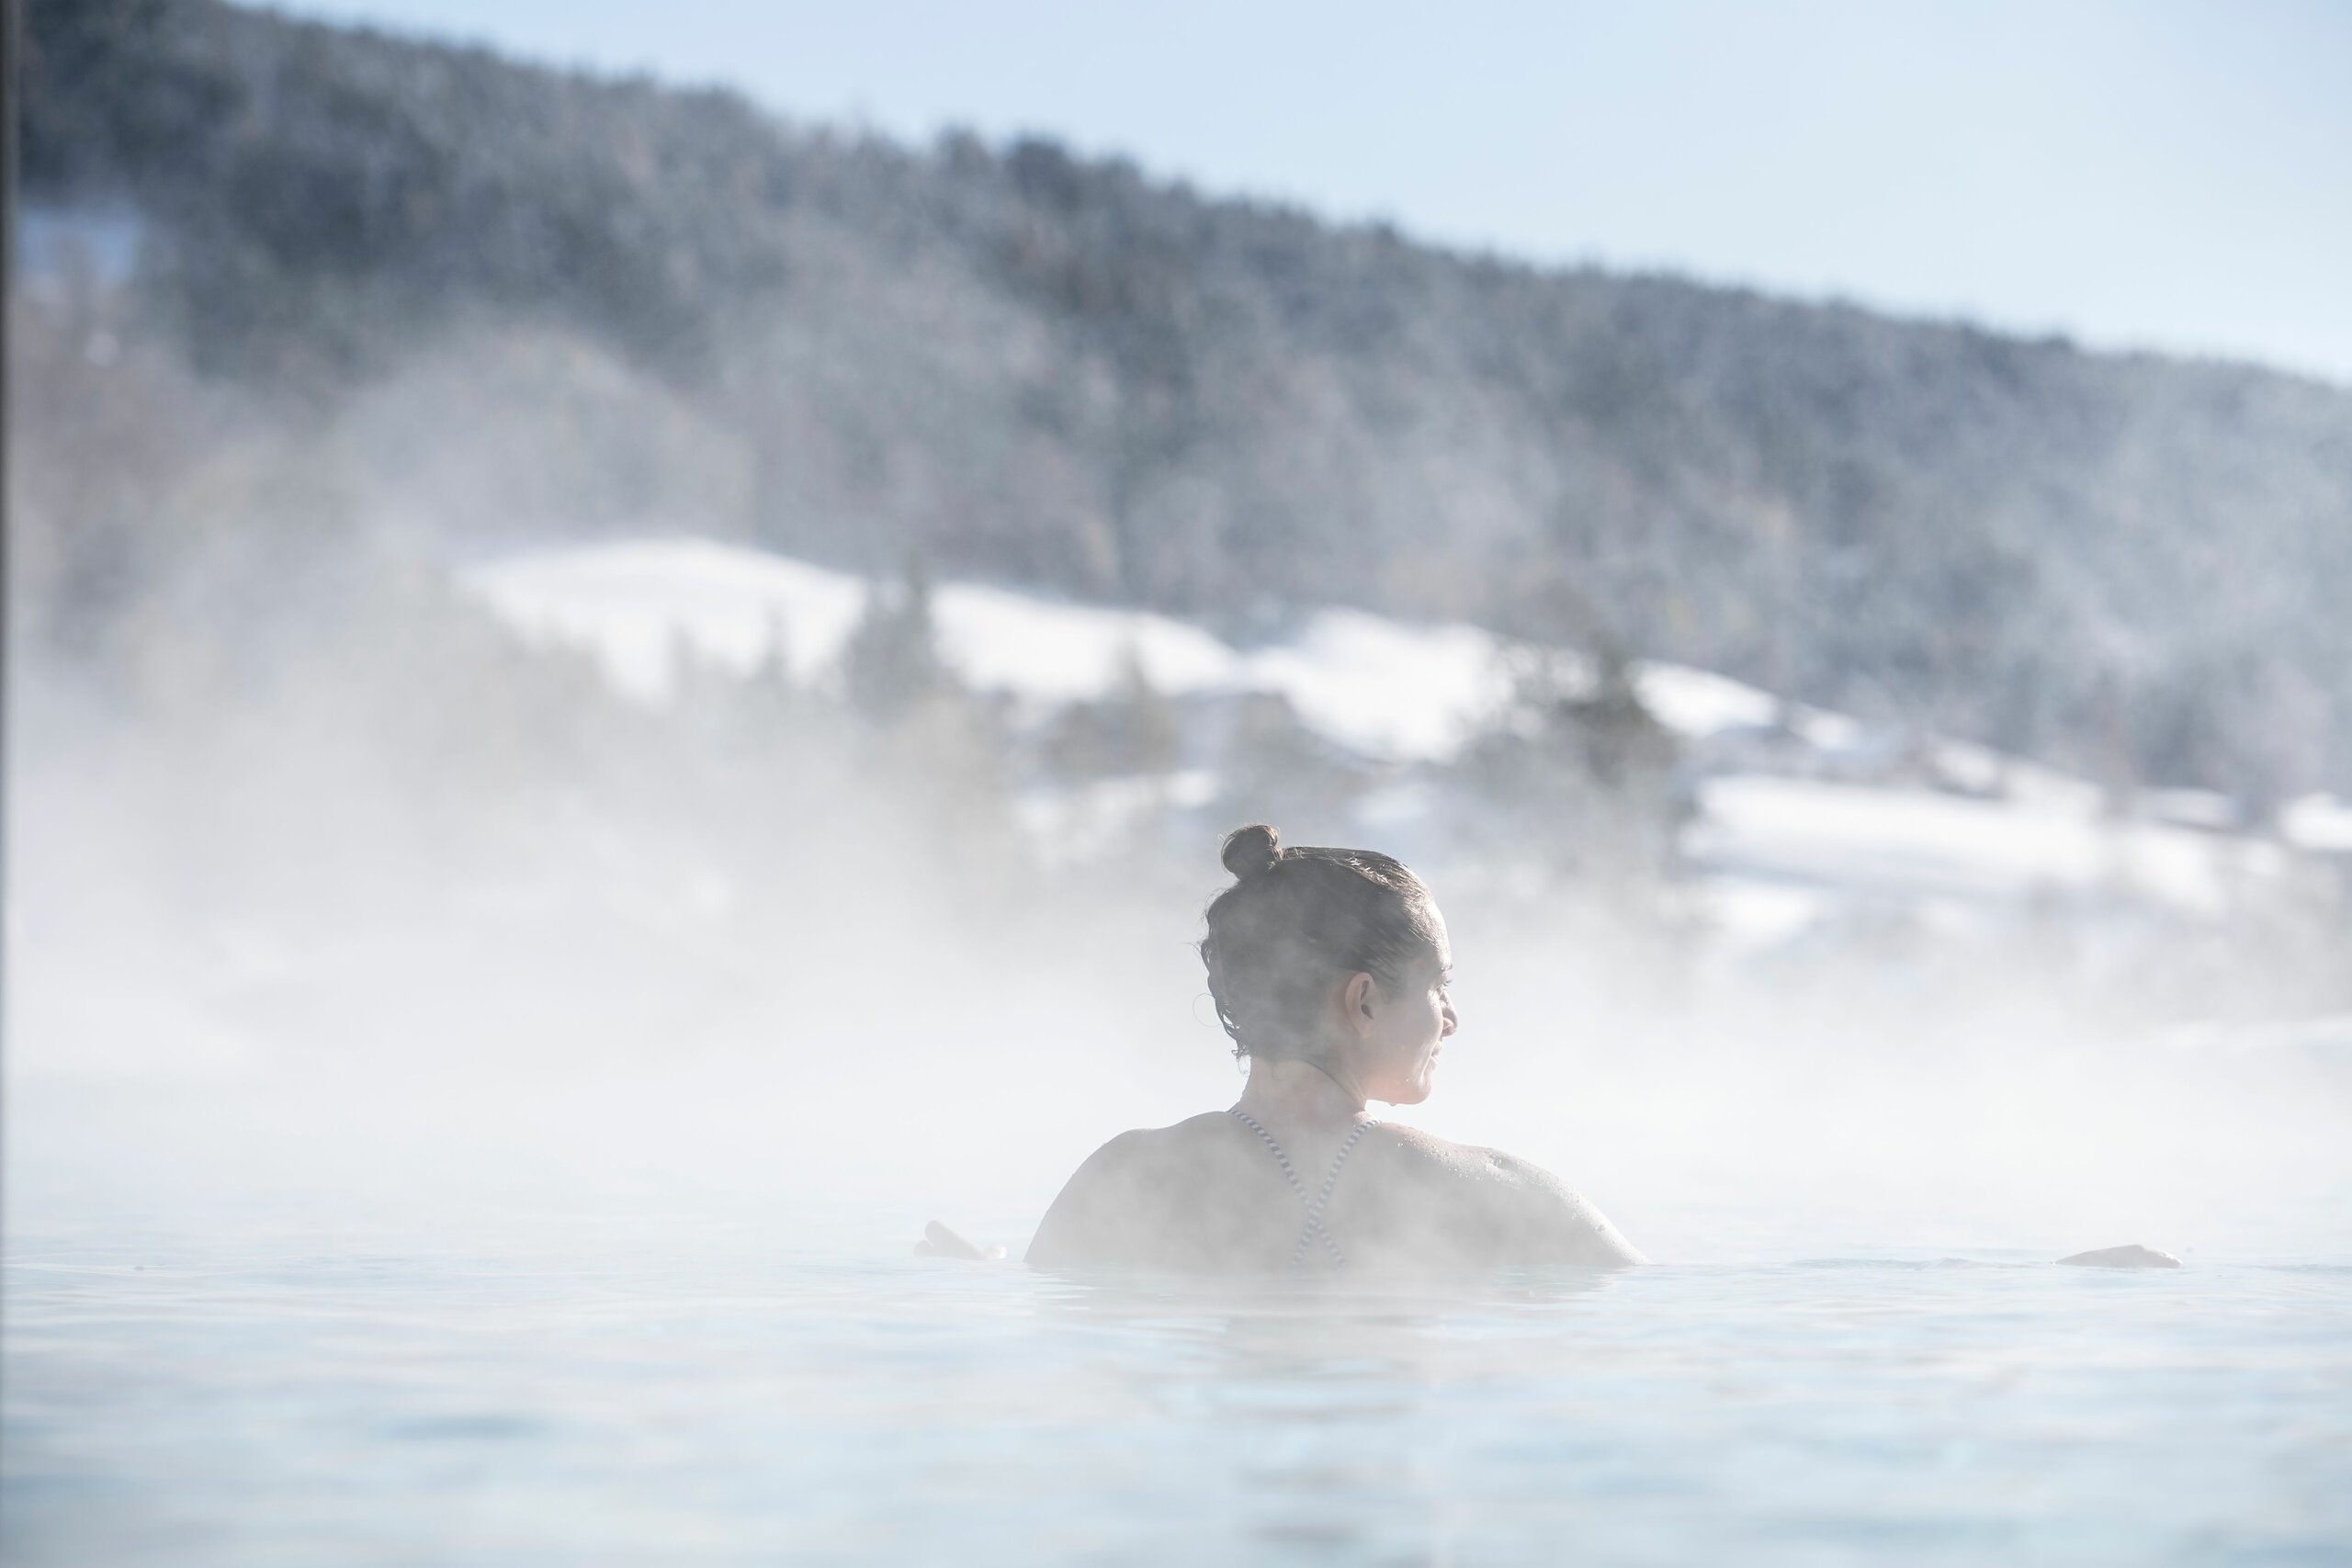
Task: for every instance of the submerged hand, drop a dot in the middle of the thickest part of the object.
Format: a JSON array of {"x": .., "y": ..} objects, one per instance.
[
  {"x": 938, "y": 1241},
  {"x": 2129, "y": 1257}
]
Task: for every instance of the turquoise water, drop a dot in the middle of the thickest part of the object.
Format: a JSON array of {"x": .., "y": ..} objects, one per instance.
[{"x": 671, "y": 1389}]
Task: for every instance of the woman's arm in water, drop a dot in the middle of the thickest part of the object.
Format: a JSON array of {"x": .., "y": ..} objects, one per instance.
[{"x": 938, "y": 1241}]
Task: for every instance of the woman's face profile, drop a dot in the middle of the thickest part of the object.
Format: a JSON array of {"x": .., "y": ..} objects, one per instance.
[{"x": 1398, "y": 1044}]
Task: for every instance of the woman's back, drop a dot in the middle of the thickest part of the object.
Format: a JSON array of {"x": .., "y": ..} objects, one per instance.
[
  {"x": 1209, "y": 1194},
  {"x": 1330, "y": 971}
]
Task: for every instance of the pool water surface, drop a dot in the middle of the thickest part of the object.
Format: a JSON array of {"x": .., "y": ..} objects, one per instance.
[{"x": 672, "y": 1387}]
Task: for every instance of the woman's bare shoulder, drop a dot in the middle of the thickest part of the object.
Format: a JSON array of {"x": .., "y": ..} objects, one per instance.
[
  {"x": 1473, "y": 1163},
  {"x": 1150, "y": 1148},
  {"x": 1105, "y": 1209},
  {"x": 1533, "y": 1215}
]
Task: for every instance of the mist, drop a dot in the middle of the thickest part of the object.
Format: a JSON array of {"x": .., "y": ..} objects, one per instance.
[
  {"x": 617, "y": 703},
  {"x": 332, "y": 888}
]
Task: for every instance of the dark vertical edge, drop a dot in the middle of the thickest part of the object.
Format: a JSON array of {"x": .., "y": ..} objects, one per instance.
[{"x": 11, "y": 52}]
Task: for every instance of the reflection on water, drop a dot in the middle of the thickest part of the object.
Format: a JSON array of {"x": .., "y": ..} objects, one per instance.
[{"x": 539, "y": 1385}]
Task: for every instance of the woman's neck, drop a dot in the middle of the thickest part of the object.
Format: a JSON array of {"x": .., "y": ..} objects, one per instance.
[{"x": 1291, "y": 1090}]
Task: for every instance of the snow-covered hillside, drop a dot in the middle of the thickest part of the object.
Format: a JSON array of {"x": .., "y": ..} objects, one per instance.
[
  {"x": 1387, "y": 690},
  {"x": 1798, "y": 813}
]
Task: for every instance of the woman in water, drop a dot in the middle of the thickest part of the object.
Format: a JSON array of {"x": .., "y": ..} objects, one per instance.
[{"x": 1328, "y": 968}]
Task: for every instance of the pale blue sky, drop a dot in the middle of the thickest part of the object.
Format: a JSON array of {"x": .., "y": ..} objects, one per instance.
[{"x": 2163, "y": 174}]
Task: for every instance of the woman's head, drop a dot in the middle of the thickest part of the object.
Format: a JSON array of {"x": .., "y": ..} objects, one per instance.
[{"x": 1333, "y": 956}]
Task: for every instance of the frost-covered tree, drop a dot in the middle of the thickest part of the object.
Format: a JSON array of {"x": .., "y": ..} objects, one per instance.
[
  {"x": 891, "y": 665},
  {"x": 1132, "y": 729},
  {"x": 1053, "y": 369},
  {"x": 1578, "y": 775}
]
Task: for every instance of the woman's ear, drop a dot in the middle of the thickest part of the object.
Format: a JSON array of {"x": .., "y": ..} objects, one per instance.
[{"x": 1356, "y": 1000}]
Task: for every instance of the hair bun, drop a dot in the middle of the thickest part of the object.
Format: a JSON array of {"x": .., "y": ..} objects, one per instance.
[{"x": 1251, "y": 852}]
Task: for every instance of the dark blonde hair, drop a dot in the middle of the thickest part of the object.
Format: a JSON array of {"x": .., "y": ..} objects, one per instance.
[{"x": 1297, "y": 919}]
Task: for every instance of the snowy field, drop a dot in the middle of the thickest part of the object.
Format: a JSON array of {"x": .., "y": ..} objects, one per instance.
[{"x": 1955, "y": 831}]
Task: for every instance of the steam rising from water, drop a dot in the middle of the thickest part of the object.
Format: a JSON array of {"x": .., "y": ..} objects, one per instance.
[
  {"x": 418, "y": 917},
  {"x": 327, "y": 889}
]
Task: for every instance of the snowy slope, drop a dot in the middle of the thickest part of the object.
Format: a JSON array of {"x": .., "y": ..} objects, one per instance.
[
  {"x": 1778, "y": 850},
  {"x": 1386, "y": 689},
  {"x": 1915, "y": 841}
]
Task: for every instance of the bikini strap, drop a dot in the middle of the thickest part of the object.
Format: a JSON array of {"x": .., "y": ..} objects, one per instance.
[{"x": 1316, "y": 1204}]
